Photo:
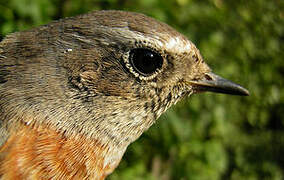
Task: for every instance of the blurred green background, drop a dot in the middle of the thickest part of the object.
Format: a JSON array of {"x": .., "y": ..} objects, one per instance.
[{"x": 207, "y": 136}]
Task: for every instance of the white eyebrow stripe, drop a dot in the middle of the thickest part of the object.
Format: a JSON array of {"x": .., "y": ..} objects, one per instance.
[{"x": 178, "y": 45}]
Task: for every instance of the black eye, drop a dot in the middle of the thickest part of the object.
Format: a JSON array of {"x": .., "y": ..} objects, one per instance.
[{"x": 145, "y": 61}]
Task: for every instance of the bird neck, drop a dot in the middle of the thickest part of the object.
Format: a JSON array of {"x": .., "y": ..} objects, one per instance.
[{"x": 38, "y": 152}]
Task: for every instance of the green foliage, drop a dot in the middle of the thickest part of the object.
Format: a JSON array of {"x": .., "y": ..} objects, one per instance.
[{"x": 206, "y": 136}]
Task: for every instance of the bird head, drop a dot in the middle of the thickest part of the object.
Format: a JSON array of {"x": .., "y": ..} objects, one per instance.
[
  {"x": 128, "y": 69},
  {"x": 107, "y": 74}
]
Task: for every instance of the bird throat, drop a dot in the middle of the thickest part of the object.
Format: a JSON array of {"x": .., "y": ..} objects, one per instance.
[{"x": 42, "y": 153}]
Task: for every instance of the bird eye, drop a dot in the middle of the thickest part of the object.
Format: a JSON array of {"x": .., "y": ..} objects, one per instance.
[{"x": 145, "y": 61}]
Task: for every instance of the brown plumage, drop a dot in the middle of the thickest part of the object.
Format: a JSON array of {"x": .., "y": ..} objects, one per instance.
[{"x": 76, "y": 92}]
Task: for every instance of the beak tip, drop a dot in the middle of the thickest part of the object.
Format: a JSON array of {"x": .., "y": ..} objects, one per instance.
[{"x": 245, "y": 92}]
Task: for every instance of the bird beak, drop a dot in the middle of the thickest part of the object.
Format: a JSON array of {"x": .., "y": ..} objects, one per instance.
[{"x": 215, "y": 83}]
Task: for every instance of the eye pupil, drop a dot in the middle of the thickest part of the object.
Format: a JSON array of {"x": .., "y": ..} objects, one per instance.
[{"x": 145, "y": 61}]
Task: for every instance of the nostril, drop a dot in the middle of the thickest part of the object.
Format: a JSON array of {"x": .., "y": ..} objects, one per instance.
[{"x": 208, "y": 78}]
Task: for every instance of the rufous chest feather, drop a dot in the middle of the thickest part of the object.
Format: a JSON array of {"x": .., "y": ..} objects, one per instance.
[{"x": 42, "y": 153}]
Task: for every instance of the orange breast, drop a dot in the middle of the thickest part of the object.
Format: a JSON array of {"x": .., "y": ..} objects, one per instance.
[{"x": 41, "y": 153}]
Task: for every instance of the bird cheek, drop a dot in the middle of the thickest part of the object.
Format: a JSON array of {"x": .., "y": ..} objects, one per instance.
[
  {"x": 88, "y": 77},
  {"x": 105, "y": 85}
]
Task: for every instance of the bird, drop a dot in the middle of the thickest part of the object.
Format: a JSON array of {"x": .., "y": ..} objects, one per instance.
[{"x": 76, "y": 92}]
